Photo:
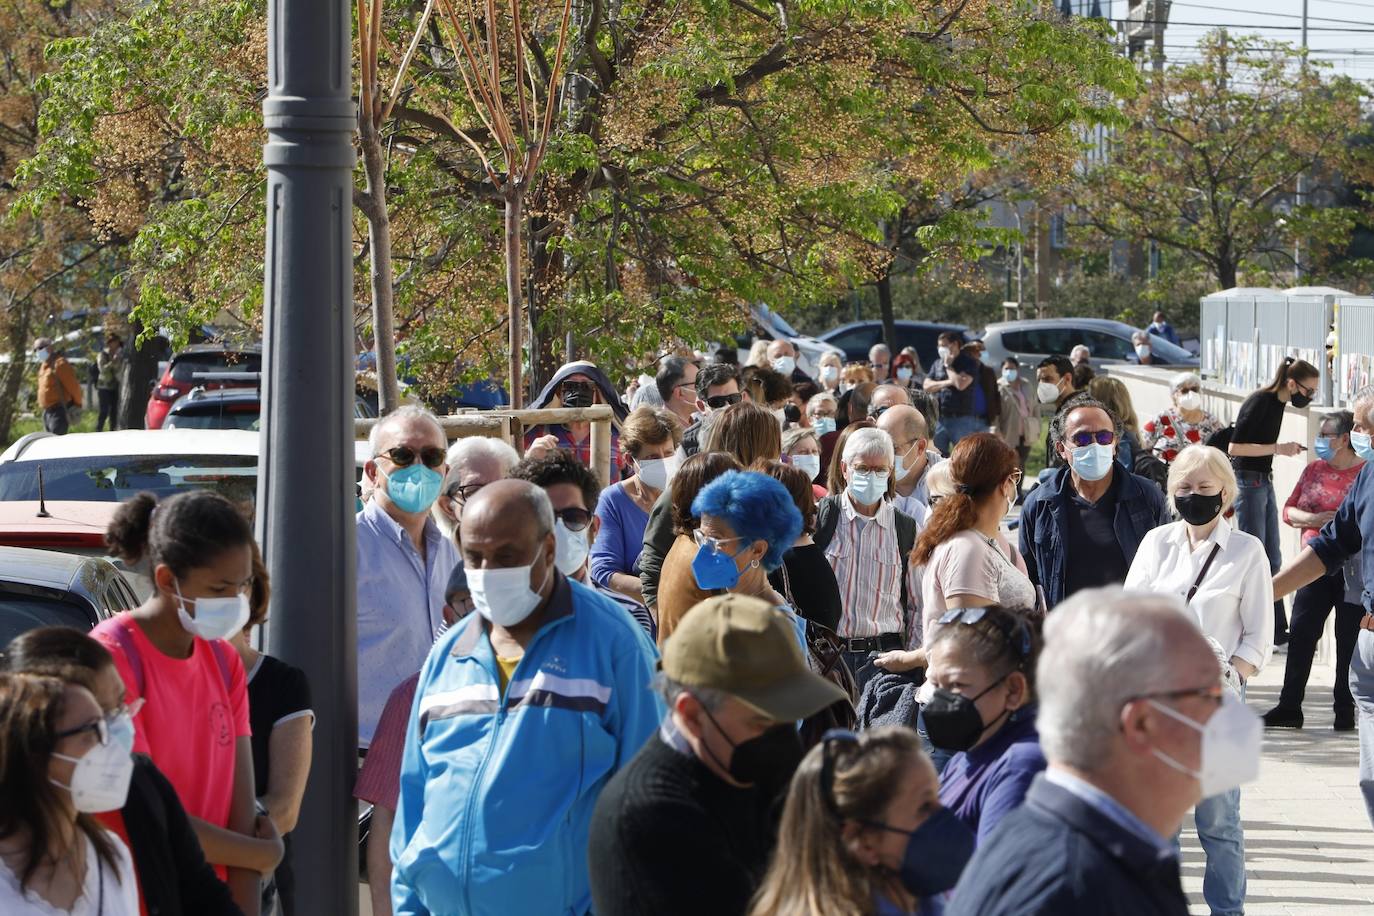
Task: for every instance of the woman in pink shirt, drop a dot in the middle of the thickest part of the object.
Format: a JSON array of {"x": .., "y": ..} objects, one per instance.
[
  {"x": 1313, "y": 503},
  {"x": 171, "y": 652}
]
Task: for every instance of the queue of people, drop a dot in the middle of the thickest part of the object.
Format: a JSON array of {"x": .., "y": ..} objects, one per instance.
[{"x": 645, "y": 697}]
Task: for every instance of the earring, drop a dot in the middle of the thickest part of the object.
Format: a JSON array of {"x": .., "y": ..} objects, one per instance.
[{"x": 754, "y": 564}]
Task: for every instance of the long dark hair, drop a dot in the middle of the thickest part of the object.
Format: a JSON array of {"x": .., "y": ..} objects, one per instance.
[
  {"x": 979, "y": 464},
  {"x": 1293, "y": 368},
  {"x": 30, "y": 708},
  {"x": 188, "y": 531},
  {"x": 695, "y": 473},
  {"x": 60, "y": 652}
]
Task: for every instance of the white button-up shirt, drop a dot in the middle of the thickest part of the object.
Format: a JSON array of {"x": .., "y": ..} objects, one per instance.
[{"x": 1234, "y": 603}]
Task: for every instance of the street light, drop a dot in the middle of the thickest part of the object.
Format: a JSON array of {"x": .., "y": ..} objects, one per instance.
[{"x": 305, "y": 484}]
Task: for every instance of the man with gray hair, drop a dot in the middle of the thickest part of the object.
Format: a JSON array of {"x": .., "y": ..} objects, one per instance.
[
  {"x": 867, "y": 541},
  {"x": 886, "y": 397},
  {"x": 1348, "y": 541},
  {"x": 880, "y": 358},
  {"x": 1137, "y": 729},
  {"x": 473, "y": 462},
  {"x": 404, "y": 560},
  {"x": 523, "y": 712}
]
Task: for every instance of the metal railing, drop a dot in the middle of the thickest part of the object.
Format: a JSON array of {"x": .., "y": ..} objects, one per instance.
[{"x": 511, "y": 425}]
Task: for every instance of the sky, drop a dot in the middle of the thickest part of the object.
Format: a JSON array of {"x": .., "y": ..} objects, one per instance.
[{"x": 1339, "y": 31}]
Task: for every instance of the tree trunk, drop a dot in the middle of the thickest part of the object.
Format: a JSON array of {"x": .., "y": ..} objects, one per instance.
[
  {"x": 545, "y": 276},
  {"x": 13, "y": 377},
  {"x": 139, "y": 377},
  {"x": 515, "y": 206},
  {"x": 1226, "y": 274},
  {"x": 885, "y": 311},
  {"x": 379, "y": 244}
]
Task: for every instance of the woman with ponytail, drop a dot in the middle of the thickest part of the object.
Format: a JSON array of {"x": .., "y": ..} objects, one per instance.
[{"x": 1254, "y": 443}]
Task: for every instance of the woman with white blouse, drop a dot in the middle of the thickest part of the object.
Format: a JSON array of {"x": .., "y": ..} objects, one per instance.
[{"x": 1222, "y": 574}]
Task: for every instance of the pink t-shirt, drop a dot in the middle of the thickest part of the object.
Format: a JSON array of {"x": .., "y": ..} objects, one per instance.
[
  {"x": 1321, "y": 488},
  {"x": 190, "y": 720},
  {"x": 967, "y": 565}
]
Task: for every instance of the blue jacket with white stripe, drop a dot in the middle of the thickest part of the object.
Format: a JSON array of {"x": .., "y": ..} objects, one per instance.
[{"x": 497, "y": 791}]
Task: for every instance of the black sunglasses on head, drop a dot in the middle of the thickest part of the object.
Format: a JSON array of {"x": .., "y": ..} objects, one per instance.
[
  {"x": 717, "y": 401},
  {"x": 403, "y": 456}
]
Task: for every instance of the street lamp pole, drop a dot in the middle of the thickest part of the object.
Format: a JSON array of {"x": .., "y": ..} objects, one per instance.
[{"x": 305, "y": 484}]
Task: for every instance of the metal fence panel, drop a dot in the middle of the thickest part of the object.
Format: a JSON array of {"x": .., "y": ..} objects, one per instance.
[
  {"x": 1246, "y": 335},
  {"x": 1354, "y": 351}
]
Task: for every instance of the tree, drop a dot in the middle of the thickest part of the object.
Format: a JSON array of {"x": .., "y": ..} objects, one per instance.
[{"x": 1210, "y": 161}]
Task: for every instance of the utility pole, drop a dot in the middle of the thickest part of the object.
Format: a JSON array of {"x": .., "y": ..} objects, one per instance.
[
  {"x": 1300, "y": 197},
  {"x": 305, "y": 484}
]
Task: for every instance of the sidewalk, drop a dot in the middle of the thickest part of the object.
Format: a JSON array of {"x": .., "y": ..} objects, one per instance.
[{"x": 1309, "y": 846}]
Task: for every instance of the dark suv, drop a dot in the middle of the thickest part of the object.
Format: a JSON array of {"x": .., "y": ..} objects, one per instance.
[
  {"x": 857, "y": 337},
  {"x": 184, "y": 371}
]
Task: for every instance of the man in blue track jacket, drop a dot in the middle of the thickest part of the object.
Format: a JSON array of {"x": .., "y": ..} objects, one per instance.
[{"x": 522, "y": 714}]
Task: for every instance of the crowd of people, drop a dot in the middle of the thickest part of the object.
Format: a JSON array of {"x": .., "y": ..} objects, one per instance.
[{"x": 812, "y": 646}]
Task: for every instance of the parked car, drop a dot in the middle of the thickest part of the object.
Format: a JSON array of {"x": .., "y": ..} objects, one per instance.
[
  {"x": 184, "y": 371},
  {"x": 111, "y": 467},
  {"x": 1108, "y": 342},
  {"x": 856, "y": 338},
  {"x": 45, "y": 588},
  {"x": 71, "y": 526},
  {"x": 767, "y": 324},
  {"x": 231, "y": 408}
]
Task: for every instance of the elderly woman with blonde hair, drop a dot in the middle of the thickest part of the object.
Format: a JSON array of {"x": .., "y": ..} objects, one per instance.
[{"x": 1222, "y": 575}]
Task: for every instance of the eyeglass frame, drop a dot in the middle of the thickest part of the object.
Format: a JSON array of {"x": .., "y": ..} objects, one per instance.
[
  {"x": 730, "y": 400},
  {"x": 100, "y": 726},
  {"x": 703, "y": 540},
  {"x": 423, "y": 454}
]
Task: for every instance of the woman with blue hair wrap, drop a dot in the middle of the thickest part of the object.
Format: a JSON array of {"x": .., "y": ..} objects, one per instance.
[{"x": 748, "y": 521}]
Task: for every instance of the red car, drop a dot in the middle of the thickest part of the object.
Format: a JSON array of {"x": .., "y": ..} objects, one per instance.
[{"x": 184, "y": 373}]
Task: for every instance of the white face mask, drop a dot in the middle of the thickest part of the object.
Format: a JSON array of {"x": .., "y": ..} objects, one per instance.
[
  {"x": 1047, "y": 392},
  {"x": 655, "y": 473},
  {"x": 823, "y": 425},
  {"x": 830, "y": 373},
  {"x": 1142, "y": 350},
  {"x": 1190, "y": 400},
  {"x": 781, "y": 415},
  {"x": 100, "y": 781},
  {"x": 903, "y": 468},
  {"x": 946, "y": 354},
  {"x": 809, "y": 464},
  {"x": 121, "y": 729},
  {"x": 216, "y": 618},
  {"x": 504, "y": 596},
  {"x": 571, "y": 547},
  {"x": 1231, "y": 743},
  {"x": 868, "y": 487},
  {"x": 784, "y": 365}
]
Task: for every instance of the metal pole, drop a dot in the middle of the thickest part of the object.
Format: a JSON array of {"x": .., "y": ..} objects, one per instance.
[
  {"x": 1300, "y": 197},
  {"x": 305, "y": 485}
]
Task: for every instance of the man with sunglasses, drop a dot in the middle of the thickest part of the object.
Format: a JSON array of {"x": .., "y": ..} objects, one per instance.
[
  {"x": 404, "y": 560},
  {"x": 1082, "y": 526},
  {"x": 688, "y": 826},
  {"x": 717, "y": 386},
  {"x": 1131, "y": 745},
  {"x": 677, "y": 386},
  {"x": 573, "y": 490}
]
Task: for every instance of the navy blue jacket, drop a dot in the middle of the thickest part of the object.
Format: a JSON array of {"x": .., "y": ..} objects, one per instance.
[
  {"x": 1140, "y": 507},
  {"x": 1057, "y": 855},
  {"x": 1351, "y": 532}
]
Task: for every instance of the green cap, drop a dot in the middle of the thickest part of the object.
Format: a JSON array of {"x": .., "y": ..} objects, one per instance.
[{"x": 747, "y": 648}]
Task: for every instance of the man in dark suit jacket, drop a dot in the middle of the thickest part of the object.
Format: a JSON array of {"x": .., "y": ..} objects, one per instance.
[{"x": 1095, "y": 834}]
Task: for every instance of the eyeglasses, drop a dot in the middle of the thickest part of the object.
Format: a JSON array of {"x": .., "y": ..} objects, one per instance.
[
  {"x": 1017, "y": 634},
  {"x": 573, "y": 518},
  {"x": 718, "y": 401},
  {"x": 99, "y": 726},
  {"x": 1101, "y": 437},
  {"x": 464, "y": 492},
  {"x": 876, "y": 412},
  {"x": 704, "y": 540},
  {"x": 403, "y": 456},
  {"x": 1016, "y": 477},
  {"x": 1306, "y": 391}
]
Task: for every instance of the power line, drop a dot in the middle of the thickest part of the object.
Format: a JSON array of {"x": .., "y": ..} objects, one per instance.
[
  {"x": 1249, "y": 25},
  {"x": 1233, "y": 9}
]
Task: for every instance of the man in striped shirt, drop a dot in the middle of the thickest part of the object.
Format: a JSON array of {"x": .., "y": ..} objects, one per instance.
[{"x": 867, "y": 541}]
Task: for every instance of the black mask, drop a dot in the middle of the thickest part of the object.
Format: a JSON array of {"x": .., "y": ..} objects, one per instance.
[
  {"x": 767, "y": 760},
  {"x": 953, "y": 722},
  {"x": 577, "y": 395},
  {"x": 1196, "y": 509},
  {"x": 1300, "y": 400}
]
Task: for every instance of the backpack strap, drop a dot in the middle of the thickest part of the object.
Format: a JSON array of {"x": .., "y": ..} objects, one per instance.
[
  {"x": 217, "y": 649},
  {"x": 119, "y": 629},
  {"x": 827, "y": 519},
  {"x": 906, "y": 542}
]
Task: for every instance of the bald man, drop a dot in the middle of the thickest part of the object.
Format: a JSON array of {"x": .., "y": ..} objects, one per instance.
[
  {"x": 915, "y": 457},
  {"x": 523, "y": 712},
  {"x": 886, "y": 397}
]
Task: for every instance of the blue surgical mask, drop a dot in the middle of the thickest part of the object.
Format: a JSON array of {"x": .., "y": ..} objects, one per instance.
[
  {"x": 1364, "y": 448},
  {"x": 43, "y": 355},
  {"x": 414, "y": 488},
  {"x": 1093, "y": 461},
  {"x": 1323, "y": 447},
  {"x": 714, "y": 569},
  {"x": 810, "y": 464},
  {"x": 867, "y": 487},
  {"x": 1010, "y": 376},
  {"x": 823, "y": 425}
]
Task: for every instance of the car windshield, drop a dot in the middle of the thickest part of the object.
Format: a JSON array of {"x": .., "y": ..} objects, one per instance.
[
  {"x": 118, "y": 477},
  {"x": 235, "y": 418},
  {"x": 20, "y": 613},
  {"x": 185, "y": 366}
]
